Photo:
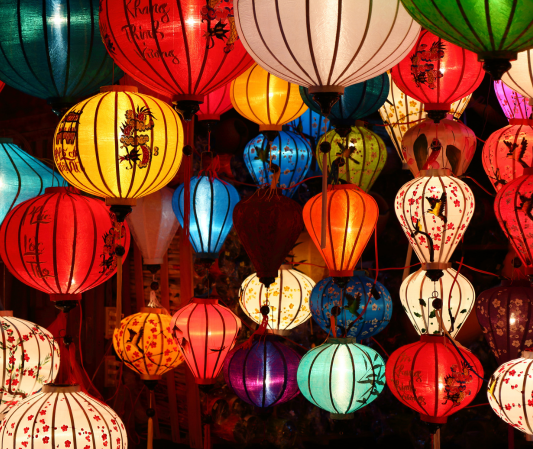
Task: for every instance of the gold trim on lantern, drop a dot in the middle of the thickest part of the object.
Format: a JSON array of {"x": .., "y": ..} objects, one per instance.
[
  {"x": 151, "y": 310},
  {"x": 270, "y": 128},
  {"x": 150, "y": 377},
  {"x": 435, "y": 172},
  {"x": 426, "y": 266},
  {"x": 54, "y": 388},
  {"x": 320, "y": 89},
  {"x": 6, "y": 313},
  {"x": 120, "y": 201},
  {"x": 118, "y": 88}
]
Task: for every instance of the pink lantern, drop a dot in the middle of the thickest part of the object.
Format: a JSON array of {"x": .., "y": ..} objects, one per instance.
[
  {"x": 215, "y": 104},
  {"x": 514, "y": 105}
]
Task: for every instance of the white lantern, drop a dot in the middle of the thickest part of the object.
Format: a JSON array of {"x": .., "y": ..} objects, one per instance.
[
  {"x": 418, "y": 292},
  {"x": 287, "y": 298},
  {"x": 520, "y": 76}
]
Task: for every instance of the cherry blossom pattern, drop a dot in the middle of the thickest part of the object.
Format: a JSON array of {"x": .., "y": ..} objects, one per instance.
[{"x": 514, "y": 105}]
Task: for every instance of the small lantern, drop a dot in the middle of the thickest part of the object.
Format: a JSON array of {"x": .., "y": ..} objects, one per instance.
[
  {"x": 513, "y": 104},
  {"x": 519, "y": 78},
  {"x": 215, "y": 104},
  {"x": 311, "y": 125}
]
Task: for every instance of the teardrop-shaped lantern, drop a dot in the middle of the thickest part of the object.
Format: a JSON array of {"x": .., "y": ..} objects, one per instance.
[
  {"x": 311, "y": 124},
  {"x": 519, "y": 76},
  {"x": 513, "y": 104}
]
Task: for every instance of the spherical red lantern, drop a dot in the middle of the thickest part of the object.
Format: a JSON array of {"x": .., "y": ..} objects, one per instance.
[
  {"x": 215, "y": 104},
  {"x": 62, "y": 243}
]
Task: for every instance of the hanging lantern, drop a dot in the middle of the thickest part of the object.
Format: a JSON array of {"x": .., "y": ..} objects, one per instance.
[
  {"x": 513, "y": 104},
  {"x": 205, "y": 331},
  {"x": 347, "y": 304},
  {"x": 505, "y": 313},
  {"x": 432, "y": 378},
  {"x": 22, "y": 176},
  {"x": 263, "y": 374},
  {"x": 288, "y": 151},
  {"x": 212, "y": 203},
  {"x": 62, "y": 243},
  {"x": 287, "y": 299},
  {"x": 310, "y": 124},
  {"x": 215, "y": 104},
  {"x": 519, "y": 77},
  {"x": 341, "y": 376},
  {"x": 268, "y": 225},
  {"x": 421, "y": 299}
]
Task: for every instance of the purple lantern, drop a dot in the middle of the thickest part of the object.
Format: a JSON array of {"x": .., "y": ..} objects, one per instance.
[
  {"x": 264, "y": 374},
  {"x": 514, "y": 105}
]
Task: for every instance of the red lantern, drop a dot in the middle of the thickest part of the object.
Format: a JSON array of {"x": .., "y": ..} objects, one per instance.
[
  {"x": 62, "y": 243},
  {"x": 432, "y": 378},
  {"x": 206, "y": 332},
  {"x": 215, "y": 104}
]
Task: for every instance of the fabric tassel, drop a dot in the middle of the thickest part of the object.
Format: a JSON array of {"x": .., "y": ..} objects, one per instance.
[
  {"x": 260, "y": 331},
  {"x": 333, "y": 324},
  {"x": 78, "y": 375},
  {"x": 324, "y": 199}
]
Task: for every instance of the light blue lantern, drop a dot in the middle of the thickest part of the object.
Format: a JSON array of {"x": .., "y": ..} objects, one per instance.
[
  {"x": 311, "y": 124},
  {"x": 211, "y": 217}
]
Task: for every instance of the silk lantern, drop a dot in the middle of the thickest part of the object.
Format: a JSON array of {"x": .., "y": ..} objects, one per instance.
[
  {"x": 505, "y": 313},
  {"x": 215, "y": 104},
  {"x": 205, "y": 331},
  {"x": 264, "y": 374},
  {"x": 519, "y": 77},
  {"x": 513, "y": 104},
  {"x": 310, "y": 124},
  {"x": 341, "y": 376},
  {"x": 347, "y": 304},
  {"x": 287, "y": 299},
  {"x": 211, "y": 218},
  {"x": 128, "y": 80},
  {"x": 62, "y": 243},
  {"x": 455, "y": 295},
  {"x": 431, "y": 377}
]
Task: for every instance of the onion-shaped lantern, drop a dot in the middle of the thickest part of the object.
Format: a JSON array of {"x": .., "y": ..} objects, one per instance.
[
  {"x": 513, "y": 104},
  {"x": 310, "y": 124},
  {"x": 215, "y": 104},
  {"x": 348, "y": 303},
  {"x": 519, "y": 77},
  {"x": 341, "y": 376},
  {"x": 205, "y": 331}
]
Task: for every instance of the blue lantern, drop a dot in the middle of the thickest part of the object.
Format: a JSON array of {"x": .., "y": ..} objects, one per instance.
[
  {"x": 22, "y": 177},
  {"x": 290, "y": 152},
  {"x": 348, "y": 303},
  {"x": 311, "y": 124},
  {"x": 211, "y": 217}
]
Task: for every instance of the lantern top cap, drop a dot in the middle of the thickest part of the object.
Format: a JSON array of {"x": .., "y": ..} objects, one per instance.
[
  {"x": 61, "y": 190},
  {"x": 342, "y": 341},
  {"x": 425, "y": 338},
  {"x": 520, "y": 121},
  {"x": 205, "y": 300},
  {"x": 151, "y": 310},
  {"x": 527, "y": 354},
  {"x": 6, "y": 313},
  {"x": 60, "y": 388},
  {"x": 6, "y": 140},
  {"x": 435, "y": 172},
  {"x": 117, "y": 88}
]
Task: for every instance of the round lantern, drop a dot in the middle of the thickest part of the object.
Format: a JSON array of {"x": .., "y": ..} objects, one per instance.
[
  {"x": 347, "y": 304},
  {"x": 211, "y": 219},
  {"x": 432, "y": 378},
  {"x": 22, "y": 176},
  {"x": 513, "y": 104},
  {"x": 507, "y": 152},
  {"x": 519, "y": 77},
  {"x": 341, "y": 376},
  {"x": 215, "y": 104},
  {"x": 288, "y": 151},
  {"x": 205, "y": 331},
  {"x": 351, "y": 219},
  {"x": 447, "y": 144},
  {"x": 505, "y": 313},
  {"x": 310, "y": 124},
  {"x": 128, "y": 80},
  {"x": 364, "y": 154},
  {"x": 264, "y": 374},
  {"x": 62, "y": 243},
  {"x": 456, "y": 294},
  {"x": 287, "y": 299}
]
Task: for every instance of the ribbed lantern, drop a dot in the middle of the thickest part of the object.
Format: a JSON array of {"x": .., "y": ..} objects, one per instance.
[
  {"x": 341, "y": 376},
  {"x": 287, "y": 299},
  {"x": 211, "y": 216},
  {"x": 513, "y": 104},
  {"x": 455, "y": 298},
  {"x": 347, "y": 304},
  {"x": 62, "y": 243},
  {"x": 215, "y": 104},
  {"x": 311, "y": 125},
  {"x": 205, "y": 331},
  {"x": 519, "y": 77}
]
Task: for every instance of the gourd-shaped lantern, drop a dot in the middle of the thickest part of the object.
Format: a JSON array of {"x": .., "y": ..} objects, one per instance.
[
  {"x": 347, "y": 304},
  {"x": 62, "y": 243},
  {"x": 211, "y": 216},
  {"x": 437, "y": 73},
  {"x": 341, "y": 376},
  {"x": 288, "y": 151},
  {"x": 215, "y": 104},
  {"x": 496, "y": 32},
  {"x": 519, "y": 77},
  {"x": 22, "y": 176},
  {"x": 351, "y": 219},
  {"x": 51, "y": 50},
  {"x": 363, "y": 152},
  {"x": 311, "y": 124},
  {"x": 263, "y": 374},
  {"x": 432, "y": 377},
  {"x": 268, "y": 225},
  {"x": 287, "y": 299},
  {"x": 505, "y": 313},
  {"x": 513, "y": 104},
  {"x": 205, "y": 331},
  {"x": 422, "y": 299}
]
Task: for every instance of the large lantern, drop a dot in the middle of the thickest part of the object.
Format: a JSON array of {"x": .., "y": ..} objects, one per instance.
[
  {"x": 421, "y": 298},
  {"x": 433, "y": 378},
  {"x": 62, "y": 243},
  {"x": 341, "y": 376},
  {"x": 347, "y": 304},
  {"x": 211, "y": 217},
  {"x": 205, "y": 331},
  {"x": 519, "y": 77},
  {"x": 311, "y": 125},
  {"x": 287, "y": 299},
  {"x": 513, "y": 104},
  {"x": 215, "y": 104}
]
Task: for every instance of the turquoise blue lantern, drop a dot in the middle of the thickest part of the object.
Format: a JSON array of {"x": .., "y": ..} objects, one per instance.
[
  {"x": 341, "y": 376},
  {"x": 22, "y": 177},
  {"x": 347, "y": 304},
  {"x": 289, "y": 151},
  {"x": 211, "y": 217},
  {"x": 311, "y": 124}
]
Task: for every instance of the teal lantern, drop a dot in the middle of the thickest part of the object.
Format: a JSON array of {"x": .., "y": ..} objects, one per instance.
[
  {"x": 311, "y": 124},
  {"x": 341, "y": 376}
]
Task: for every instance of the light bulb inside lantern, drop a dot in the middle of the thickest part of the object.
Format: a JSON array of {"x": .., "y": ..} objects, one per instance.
[{"x": 512, "y": 320}]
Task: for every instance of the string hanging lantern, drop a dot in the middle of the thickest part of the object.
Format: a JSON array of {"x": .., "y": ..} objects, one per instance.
[
  {"x": 311, "y": 124},
  {"x": 513, "y": 104},
  {"x": 215, "y": 104},
  {"x": 519, "y": 77}
]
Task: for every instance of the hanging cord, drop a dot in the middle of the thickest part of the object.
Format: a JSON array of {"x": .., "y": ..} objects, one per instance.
[
  {"x": 151, "y": 413},
  {"x": 187, "y": 150},
  {"x": 455, "y": 345},
  {"x": 325, "y": 148},
  {"x": 119, "y": 253},
  {"x": 452, "y": 319}
]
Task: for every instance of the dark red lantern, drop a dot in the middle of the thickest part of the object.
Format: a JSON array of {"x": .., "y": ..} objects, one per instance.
[
  {"x": 215, "y": 104},
  {"x": 268, "y": 225},
  {"x": 62, "y": 243}
]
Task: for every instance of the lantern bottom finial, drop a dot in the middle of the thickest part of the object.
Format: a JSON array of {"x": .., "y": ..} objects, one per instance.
[
  {"x": 188, "y": 108},
  {"x": 121, "y": 211},
  {"x": 437, "y": 115},
  {"x": 496, "y": 67},
  {"x": 434, "y": 275},
  {"x": 326, "y": 100},
  {"x": 267, "y": 281},
  {"x": 66, "y": 306}
]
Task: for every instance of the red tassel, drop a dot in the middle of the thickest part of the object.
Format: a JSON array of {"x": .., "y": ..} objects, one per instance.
[
  {"x": 260, "y": 331},
  {"x": 333, "y": 324}
]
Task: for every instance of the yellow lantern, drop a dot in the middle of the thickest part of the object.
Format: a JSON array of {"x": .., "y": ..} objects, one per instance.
[{"x": 266, "y": 99}]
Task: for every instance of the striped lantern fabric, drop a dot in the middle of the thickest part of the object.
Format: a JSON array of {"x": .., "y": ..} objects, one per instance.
[
  {"x": 62, "y": 416},
  {"x": 215, "y": 104},
  {"x": 325, "y": 44},
  {"x": 520, "y": 76},
  {"x": 205, "y": 331},
  {"x": 62, "y": 243},
  {"x": 514, "y": 105}
]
